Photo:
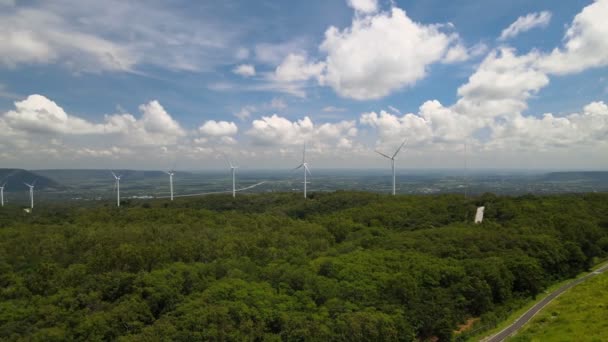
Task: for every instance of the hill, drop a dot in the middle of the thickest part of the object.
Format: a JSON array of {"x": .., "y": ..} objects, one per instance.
[
  {"x": 340, "y": 266},
  {"x": 79, "y": 175},
  {"x": 15, "y": 178},
  {"x": 577, "y": 176}
]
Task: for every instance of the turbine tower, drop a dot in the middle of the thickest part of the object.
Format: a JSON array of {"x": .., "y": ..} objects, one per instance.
[
  {"x": 304, "y": 165},
  {"x": 171, "y": 173},
  {"x": 393, "y": 161},
  {"x": 31, "y": 186},
  {"x": 2, "y": 194},
  {"x": 233, "y": 171},
  {"x": 117, "y": 186}
]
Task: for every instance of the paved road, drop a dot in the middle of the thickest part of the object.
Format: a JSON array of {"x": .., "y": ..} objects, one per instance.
[{"x": 526, "y": 317}]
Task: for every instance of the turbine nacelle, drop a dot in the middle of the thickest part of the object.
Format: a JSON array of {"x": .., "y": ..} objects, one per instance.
[{"x": 115, "y": 176}]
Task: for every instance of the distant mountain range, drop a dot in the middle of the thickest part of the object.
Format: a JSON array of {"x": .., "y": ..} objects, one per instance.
[
  {"x": 79, "y": 174},
  {"x": 14, "y": 179},
  {"x": 576, "y": 176}
]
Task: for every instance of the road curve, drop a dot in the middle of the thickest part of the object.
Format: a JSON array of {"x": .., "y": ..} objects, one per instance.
[{"x": 526, "y": 317}]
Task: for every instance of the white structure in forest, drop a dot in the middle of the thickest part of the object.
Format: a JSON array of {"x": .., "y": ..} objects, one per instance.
[
  {"x": 2, "y": 194},
  {"x": 117, "y": 186},
  {"x": 393, "y": 162},
  {"x": 479, "y": 214},
  {"x": 233, "y": 173},
  {"x": 31, "y": 186},
  {"x": 304, "y": 166},
  {"x": 171, "y": 173}
]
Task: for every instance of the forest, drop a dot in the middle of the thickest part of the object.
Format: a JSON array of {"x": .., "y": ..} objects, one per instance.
[{"x": 340, "y": 266}]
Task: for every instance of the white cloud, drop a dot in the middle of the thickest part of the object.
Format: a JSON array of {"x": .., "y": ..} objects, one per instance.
[
  {"x": 271, "y": 130},
  {"x": 245, "y": 112},
  {"x": 433, "y": 124},
  {"x": 455, "y": 54},
  {"x": 90, "y": 36},
  {"x": 274, "y": 53},
  {"x": 51, "y": 40},
  {"x": 501, "y": 84},
  {"x": 279, "y": 131},
  {"x": 381, "y": 53},
  {"x": 297, "y": 68},
  {"x": 245, "y": 70},
  {"x": 218, "y": 128},
  {"x": 526, "y": 23},
  {"x": 585, "y": 44},
  {"x": 364, "y": 6},
  {"x": 38, "y": 115},
  {"x": 155, "y": 119},
  {"x": 589, "y": 128}
]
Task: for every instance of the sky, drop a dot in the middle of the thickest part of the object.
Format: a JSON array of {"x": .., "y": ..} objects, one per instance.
[{"x": 154, "y": 84}]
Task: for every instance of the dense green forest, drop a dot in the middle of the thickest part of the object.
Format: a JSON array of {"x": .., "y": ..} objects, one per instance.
[{"x": 343, "y": 266}]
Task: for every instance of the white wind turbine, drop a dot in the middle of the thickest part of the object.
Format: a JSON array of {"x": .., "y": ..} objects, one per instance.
[
  {"x": 304, "y": 165},
  {"x": 31, "y": 186},
  {"x": 171, "y": 173},
  {"x": 2, "y": 194},
  {"x": 233, "y": 171},
  {"x": 117, "y": 186},
  {"x": 393, "y": 161}
]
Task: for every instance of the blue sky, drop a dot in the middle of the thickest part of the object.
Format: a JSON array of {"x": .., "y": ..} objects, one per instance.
[{"x": 140, "y": 83}]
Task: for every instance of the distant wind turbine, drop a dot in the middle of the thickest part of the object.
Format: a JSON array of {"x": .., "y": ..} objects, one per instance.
[
  {"x": 117, "y": 185},
  {"x": 2, "y": 194},
  {"x": 31, "y": 186},
  {"x": 304, "y": 165},
  {"x": 171, "y": 173},
  {"x": 393, "y": 161},
  {"x": 233, "y": 171}
]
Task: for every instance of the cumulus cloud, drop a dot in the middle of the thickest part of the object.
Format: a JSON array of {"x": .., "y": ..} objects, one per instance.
[
  {"x": 526, "y": 23},
  {"x": 501, "y": 84},
  {"x": 433, "y": 123},
  {"x": 155, "y": 119},
  {"x": 39, "y": 115},
  {"x": 279, "y": 131},
  {"x": 364, "y": 6},
  {"x": 585, "y": 43},
  {"x": 218, "y": 128},
  {"x": 245, "y": 70},
  {"x": 588, "y": 128},
  {"x": 296, "y": 67},
  {"x": 382, "y": 53}
]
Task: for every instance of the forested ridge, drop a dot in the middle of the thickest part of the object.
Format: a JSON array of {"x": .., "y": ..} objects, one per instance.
[{"x": 343, "y": 266}]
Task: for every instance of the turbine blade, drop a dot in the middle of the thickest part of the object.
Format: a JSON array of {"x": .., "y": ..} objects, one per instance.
[
  {"x": 382, "y": 154},
  {"x": 399, "y": 149},
  {"x": 299, "y": 167},
  {"x": 34, "y": 182},
  {"x": 307, "y": 169},
  {"x": 113, "y": 174}
]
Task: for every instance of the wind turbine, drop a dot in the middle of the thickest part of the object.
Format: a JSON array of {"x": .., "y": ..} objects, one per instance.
[
  {"x": 171, "y": 173},
  {"x": 233, "y": 171},
  {"x": 393, "y": 161},
  {"x": 117, "y": 185},
  {"x": 31, "y": 186},
  {"x": 304, "y": 165},
  {"x": 2, "y": 194}
]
